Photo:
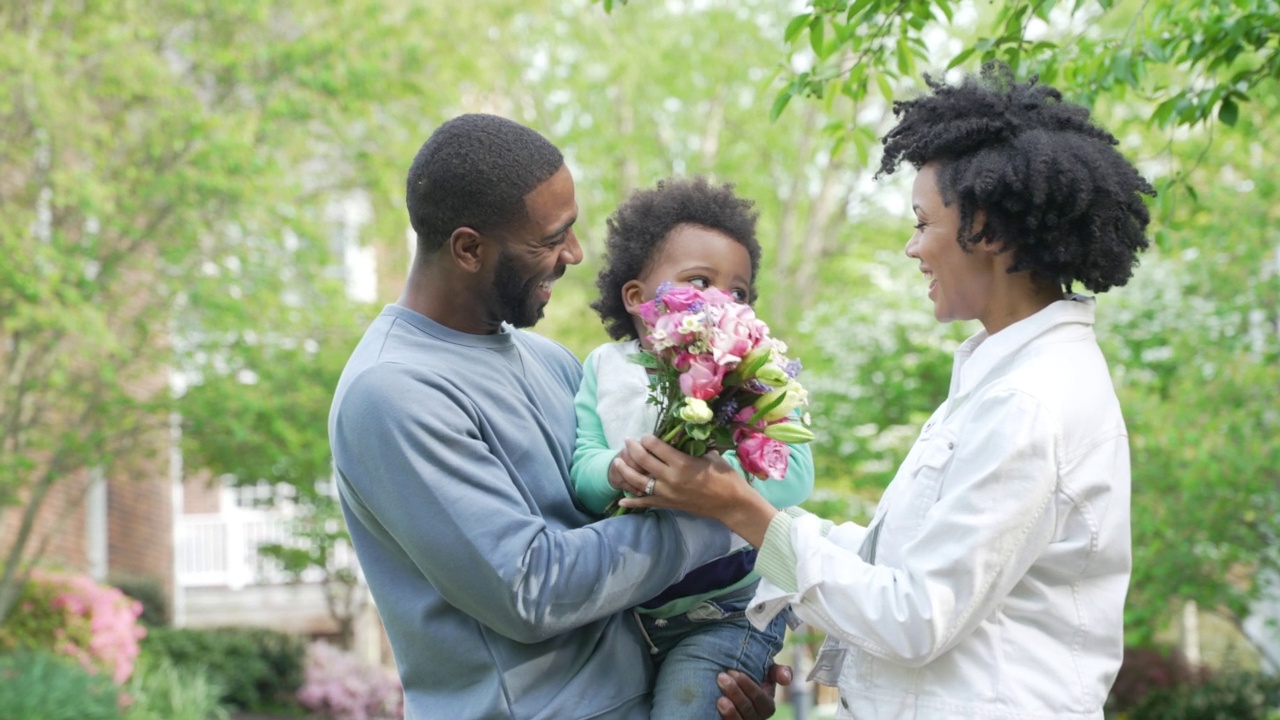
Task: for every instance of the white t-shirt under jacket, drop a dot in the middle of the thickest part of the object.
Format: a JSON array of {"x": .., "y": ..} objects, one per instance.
[{"x": 1003, "y": 555}]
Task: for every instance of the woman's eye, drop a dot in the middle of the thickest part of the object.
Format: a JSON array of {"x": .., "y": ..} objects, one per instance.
[{"x": 921, "y": 225}]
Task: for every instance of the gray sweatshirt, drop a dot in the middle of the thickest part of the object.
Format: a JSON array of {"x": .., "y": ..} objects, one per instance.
[{"x": 502, "y": 599}]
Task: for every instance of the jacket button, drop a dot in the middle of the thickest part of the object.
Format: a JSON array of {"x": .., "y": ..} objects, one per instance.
[
  {"x": 951, "y": 446},
  {"x": 844, "y": 703}
]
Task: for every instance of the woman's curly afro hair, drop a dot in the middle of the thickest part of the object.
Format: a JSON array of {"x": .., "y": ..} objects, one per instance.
[
  {"x": 1051, "y": 184},
  {"x": 638, "y": 231}
]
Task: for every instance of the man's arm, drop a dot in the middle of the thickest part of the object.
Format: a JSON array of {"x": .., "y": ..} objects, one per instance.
[{"x": 419, "y": 470}]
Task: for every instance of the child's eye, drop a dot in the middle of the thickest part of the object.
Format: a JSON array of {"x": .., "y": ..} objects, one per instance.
[
  {"x": 739, "y": 295},
  {"x": 699, "y": 282}
]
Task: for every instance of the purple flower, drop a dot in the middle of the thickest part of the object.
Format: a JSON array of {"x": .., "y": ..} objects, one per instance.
[{"x": 793, "y": 368}]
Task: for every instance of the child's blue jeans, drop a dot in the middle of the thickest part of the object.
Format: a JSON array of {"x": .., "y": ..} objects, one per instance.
[{"x": 690, "y": 650}]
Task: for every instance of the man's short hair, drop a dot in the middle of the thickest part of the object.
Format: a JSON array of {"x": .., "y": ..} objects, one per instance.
[{"x": 475, "y": 171}]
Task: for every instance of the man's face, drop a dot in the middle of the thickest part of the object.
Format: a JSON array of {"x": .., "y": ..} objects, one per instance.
[{"x": 535, "y": 255}]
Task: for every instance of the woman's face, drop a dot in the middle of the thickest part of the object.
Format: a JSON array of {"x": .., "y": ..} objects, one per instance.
[{"x": 960, "y": 282}]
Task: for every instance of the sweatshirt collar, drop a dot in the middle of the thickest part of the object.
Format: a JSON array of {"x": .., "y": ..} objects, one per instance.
[{"x": 504, "y": 338}]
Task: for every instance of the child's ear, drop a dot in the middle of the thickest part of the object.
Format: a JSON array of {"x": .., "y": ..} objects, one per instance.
[{"x": 632, "y": 295}]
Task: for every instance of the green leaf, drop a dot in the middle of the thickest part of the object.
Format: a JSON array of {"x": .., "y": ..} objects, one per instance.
[
  {"x": 696, "y": 431},
  {"x": 858, "y": 6},
  {"x": 960, "y": 57},
  {"x": 904, "y": 55},
  {"x": 645, "y": 359},
  {"x": 944, "y": 6},
  {"x": 886, "y": 90},
  {"x": 798, "y": 23},
  {"x": 817, "y": 30},
  {"x": 780, "y": 103},
  {"x": 1228, "y": 112}
]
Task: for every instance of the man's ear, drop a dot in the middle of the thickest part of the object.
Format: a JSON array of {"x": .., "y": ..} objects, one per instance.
[
  {"x": 468, "y": 249},
  {"x": 632, "y": 295}
]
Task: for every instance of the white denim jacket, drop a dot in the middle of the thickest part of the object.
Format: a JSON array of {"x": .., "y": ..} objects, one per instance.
[{"x": 1003, "y": 556}]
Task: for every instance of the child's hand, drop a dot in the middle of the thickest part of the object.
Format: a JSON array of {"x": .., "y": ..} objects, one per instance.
[{"x": 617, "y": 479}]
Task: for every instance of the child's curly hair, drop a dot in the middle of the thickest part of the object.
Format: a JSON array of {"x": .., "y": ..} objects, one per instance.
[
  {"x": 1050, "y": 182},
  {"x": 638, "y": 231}
]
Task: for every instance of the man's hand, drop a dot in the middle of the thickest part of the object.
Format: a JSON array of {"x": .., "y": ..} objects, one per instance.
[{"x": 743, "y": 699}]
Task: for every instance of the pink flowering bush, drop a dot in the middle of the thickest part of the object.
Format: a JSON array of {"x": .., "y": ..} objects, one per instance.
[
  {"x": 73, "y": 615},
  {"x": 340, "y": 686}
]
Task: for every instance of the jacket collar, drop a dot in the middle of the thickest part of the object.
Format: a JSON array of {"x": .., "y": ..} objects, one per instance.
[{"x": 981, "y": 354}]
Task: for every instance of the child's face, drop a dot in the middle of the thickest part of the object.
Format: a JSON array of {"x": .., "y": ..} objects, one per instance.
[{"x": 693, "y": 255}]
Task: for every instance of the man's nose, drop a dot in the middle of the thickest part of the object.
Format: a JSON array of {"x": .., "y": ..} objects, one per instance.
[{"x": 572, "y": 251}]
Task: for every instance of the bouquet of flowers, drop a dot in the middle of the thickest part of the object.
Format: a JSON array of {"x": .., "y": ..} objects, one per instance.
[{"x": 722, "y": 383}]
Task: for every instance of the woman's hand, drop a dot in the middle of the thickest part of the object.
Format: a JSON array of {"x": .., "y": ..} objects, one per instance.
[{"x": 706, "y": 486}]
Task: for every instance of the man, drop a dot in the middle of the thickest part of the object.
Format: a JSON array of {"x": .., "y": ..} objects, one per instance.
[{"x": 452, "y": 433}]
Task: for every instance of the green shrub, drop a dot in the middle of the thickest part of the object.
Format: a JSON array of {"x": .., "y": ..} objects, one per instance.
[
  {"x": 1149, "y": 670},
  {"x": 1224, "y": 696},
  {"x": 161, "y": 690},
  {"x": 257, "y": 669},
  {"x": 149, "y": 592},
  {"x": 72, "y": 614},
  {"x": 38, "y": 685}
]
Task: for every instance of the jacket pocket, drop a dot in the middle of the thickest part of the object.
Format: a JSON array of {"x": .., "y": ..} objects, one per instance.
[{"x": 928, "y": 462}]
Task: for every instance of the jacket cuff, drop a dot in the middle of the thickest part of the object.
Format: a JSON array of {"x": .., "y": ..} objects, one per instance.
[{"x": 777, "y": 557}]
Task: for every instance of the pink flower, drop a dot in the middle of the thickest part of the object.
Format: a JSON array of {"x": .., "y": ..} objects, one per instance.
[
  {"x": 678, "y": 299},
  {"x": 703, "y": 378},
  {"x": 737, "y": 332},
  {"x": 649, "y": 312},
  {"x": 95, "y": 624},
  {"x": 763, "y": 456}
]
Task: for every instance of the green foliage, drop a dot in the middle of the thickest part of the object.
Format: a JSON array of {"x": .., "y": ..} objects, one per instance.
[
  {"x": 75, "y": 616},
  {"x": 1223, "y": 696},
  {"x": 1090, "y": 47},
  {"x": 162, "y": 690},
  {"x": 255, "y": 668},
  {"x": 38, "y": 685},
  {"x": 149, "y": 592},
  {"x": 876, "y": 365},
  {"x": 1147, "y": 670}
]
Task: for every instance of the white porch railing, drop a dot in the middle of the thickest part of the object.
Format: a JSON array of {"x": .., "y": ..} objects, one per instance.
[{"x": 221, "y": 549}]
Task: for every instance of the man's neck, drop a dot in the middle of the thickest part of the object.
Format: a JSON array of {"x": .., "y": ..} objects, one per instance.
[{"x": 444, "y": 297}]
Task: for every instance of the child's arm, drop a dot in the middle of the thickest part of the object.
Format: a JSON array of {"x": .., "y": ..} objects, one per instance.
[
  {"x": 591, "y": 454},
  {"x": 792, "y": 489}
]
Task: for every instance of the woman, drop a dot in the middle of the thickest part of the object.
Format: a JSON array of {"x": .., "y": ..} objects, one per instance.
[{"x": 991, "y": 581}]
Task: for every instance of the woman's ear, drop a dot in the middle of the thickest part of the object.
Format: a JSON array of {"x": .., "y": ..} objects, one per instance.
[
  {"x": 632, "y": 295},
  {"x": 467, "y": 249}
]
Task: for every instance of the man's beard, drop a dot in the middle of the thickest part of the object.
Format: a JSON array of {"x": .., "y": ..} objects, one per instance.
[{"x": 516, "y": 302}]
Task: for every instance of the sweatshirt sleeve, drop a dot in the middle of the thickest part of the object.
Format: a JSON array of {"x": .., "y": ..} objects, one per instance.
[
  {"x": 589, "y": 470},
  {"x": 421, "y": 485}
]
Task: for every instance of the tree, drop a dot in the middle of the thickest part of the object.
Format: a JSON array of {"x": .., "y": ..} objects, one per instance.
[{"x": 143, "y": 164}]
